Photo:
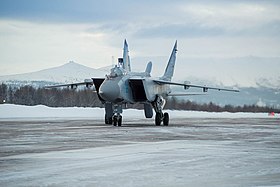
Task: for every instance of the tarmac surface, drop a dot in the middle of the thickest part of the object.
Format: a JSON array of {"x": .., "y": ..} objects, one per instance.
[{"x": 188, "y": 152}]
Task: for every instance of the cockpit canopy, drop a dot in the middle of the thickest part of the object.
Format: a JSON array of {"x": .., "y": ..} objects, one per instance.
[{"x": 116, "y": 72}]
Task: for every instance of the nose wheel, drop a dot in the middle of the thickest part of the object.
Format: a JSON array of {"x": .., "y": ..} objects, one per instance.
[
  {"x": 117, "y": 120},
  {"x": 165, "y": 119}
]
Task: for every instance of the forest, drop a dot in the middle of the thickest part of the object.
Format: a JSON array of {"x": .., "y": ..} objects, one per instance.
[{"x": 28, "y": 95}]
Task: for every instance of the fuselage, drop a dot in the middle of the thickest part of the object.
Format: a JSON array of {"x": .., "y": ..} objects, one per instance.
[{"x": 131, "y": 87}]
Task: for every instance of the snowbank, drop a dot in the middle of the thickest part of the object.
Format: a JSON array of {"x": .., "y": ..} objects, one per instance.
[
  {"x": 41, "y": 111},
  {"x": 11, "y": 111}
]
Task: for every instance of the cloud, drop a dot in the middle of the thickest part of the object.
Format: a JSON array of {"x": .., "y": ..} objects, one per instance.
[
  {"x": 26, "y": 45},
  {"x": 241, "y": 19},
  {"x": 153, "y": 18},
  {"x": 178, "y": 31},
  {"x": 232, "y": 16},
  {"x": 82, "y": 11},
  {"x": 58, "y": 11},
  {"x": 91, "y": 32},
  {"x": 192, "y": 19}
]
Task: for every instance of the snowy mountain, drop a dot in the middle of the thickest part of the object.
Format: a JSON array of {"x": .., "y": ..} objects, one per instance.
[{"x": 67, "y": 73}]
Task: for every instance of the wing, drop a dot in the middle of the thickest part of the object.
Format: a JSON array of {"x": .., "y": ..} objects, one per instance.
[
  {"x": 87, "y": 83},
  {"x": 205, "y": 88},
  {"x": 185, "y": 94}
]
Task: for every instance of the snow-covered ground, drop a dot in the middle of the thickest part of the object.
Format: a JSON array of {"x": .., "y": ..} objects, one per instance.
[
  {"x": 190, "y": 152},
  {"x": 10, "y": 111},
  {"x": 40, "y": 146},
  {"x": 172, "y": 163}
]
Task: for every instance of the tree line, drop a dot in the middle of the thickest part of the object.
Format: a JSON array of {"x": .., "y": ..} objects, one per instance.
[
  {"x": 28, "y": 95},
  {"x": 177, "y": 104}
]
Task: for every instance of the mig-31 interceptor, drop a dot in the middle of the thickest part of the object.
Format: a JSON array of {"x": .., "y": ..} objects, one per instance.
[{"x": 122, "y": 87}]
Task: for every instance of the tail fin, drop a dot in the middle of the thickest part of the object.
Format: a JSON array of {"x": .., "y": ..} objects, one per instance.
[
  {"x": 149, "y": 68},
  {"x": 168, "y": 74},
  {"x": 126, "y": 59}
]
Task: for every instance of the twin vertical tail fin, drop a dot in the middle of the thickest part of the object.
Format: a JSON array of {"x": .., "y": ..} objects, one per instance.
[
  {"x": 169, "y": 71},
  {"x": 126, "y": 59},
  {"x": 168, "y": 74}
]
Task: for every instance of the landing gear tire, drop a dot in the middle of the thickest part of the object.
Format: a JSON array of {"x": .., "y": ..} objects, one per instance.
[
  {"x": 120, "y": 121},
  {"x": 158, "y": 119},
  {"x": 165, "y": 119},
  {"x": 108, "y": 120},
  {"x": 115, "y": 120}
]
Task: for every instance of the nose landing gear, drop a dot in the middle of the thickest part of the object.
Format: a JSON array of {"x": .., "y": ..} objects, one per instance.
[
  {"x": 158, "y": 105},
  {"x": 113, "y": 114},
  {"x": 117, "y": 120}
]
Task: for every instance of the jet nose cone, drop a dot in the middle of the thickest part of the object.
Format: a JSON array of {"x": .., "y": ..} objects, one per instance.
[{"x": 109, "y": 91}]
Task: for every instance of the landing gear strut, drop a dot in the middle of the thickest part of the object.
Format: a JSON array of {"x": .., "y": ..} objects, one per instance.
[{"x": 160, "y": 116}]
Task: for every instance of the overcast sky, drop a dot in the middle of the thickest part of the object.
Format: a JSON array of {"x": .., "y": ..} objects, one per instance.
[{"x": 38, "y": 34}]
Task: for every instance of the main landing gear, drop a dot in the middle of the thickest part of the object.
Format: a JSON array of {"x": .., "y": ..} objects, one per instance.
[
  {"x": 113, "y": 113},
  {"x": 160, "y": 116}
]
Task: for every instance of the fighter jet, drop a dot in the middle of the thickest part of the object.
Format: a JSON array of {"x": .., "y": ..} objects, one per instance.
[{"x": 122, "y": 87}]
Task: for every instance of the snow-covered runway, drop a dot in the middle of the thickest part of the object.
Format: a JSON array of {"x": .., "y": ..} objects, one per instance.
[{"x": 189, "y": 152}]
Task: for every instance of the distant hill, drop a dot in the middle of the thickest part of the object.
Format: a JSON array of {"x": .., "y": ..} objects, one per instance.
[{"x": 67, "y": 73}]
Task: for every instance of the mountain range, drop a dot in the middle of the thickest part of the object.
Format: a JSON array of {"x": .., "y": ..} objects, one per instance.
[
  {"x": 247, "y": 71},
  {"x": 260, "y": 90},
  {"x": 67, "y": 73}
]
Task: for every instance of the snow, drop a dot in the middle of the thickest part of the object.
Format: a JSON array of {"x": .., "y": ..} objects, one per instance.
[
  {"x": 168, "y": 163},
  {"x": 193, "y": 152},
  {"x": 41, "y": 111},
  {"x": 11, "y": 111},
  {"x": 97, "y": 164}
]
